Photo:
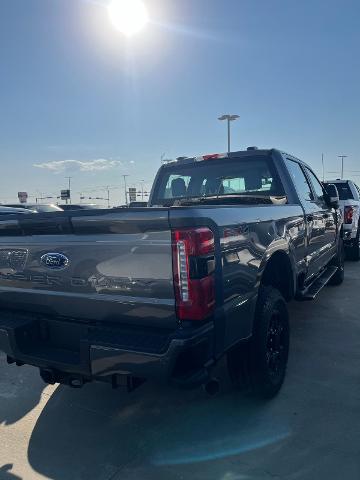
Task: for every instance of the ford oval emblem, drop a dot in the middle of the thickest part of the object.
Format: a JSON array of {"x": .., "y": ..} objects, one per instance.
[{"x": 55, "y": 261}]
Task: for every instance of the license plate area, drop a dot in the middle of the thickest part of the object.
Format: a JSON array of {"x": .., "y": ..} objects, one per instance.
[{"x": 53, "y": 340}]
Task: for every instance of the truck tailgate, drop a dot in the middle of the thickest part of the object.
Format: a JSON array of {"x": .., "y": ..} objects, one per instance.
[{"x": 113, "y": 266}]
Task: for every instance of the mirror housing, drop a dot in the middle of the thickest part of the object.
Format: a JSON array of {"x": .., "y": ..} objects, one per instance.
[{"x": 332, "y": 195}]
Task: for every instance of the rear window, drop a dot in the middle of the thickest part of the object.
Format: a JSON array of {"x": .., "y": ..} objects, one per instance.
[
  {"x": 248, "y": 175},
  {"x": 344, "y": 191}
]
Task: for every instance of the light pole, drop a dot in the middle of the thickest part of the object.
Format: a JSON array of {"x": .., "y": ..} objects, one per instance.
[
  {"x": 342, "y": 165},
  {"x": 69, "y": 178},
  {"x": 229, "y": 118},
  {"x": 142, "y": 190},
  {"x": 125, "y": 187},
  {"x": 108, "y": 196}
]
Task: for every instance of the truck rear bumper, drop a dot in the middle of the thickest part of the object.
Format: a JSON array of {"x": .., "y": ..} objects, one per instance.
[{"x": 65, "y": 350}]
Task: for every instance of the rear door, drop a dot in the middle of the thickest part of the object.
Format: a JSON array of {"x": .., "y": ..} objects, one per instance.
[
  {"x": 316, "y": 217},
  {"x": 326, "y": 218}
]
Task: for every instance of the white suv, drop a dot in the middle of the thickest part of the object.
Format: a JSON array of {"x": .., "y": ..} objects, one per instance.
[{"x": 349, "y": 195}]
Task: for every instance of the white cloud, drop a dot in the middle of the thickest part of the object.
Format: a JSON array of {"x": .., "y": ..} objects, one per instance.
[{"x": 58, "y": 166}]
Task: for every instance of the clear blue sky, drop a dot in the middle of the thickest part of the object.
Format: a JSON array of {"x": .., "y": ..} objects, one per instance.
[{"x": 73, "y": 88}]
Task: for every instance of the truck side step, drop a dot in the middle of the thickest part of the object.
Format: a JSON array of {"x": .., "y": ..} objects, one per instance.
[{"x": 319, "y": 283}]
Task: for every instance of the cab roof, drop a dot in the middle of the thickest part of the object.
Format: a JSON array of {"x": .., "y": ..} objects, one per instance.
[{"x": 250, "y": 151}]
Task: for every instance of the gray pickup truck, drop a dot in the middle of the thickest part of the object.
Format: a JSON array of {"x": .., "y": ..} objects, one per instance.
[{"x": 164, "y": 292}]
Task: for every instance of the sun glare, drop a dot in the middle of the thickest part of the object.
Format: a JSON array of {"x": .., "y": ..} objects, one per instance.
[{"x": 128, "y": 16}]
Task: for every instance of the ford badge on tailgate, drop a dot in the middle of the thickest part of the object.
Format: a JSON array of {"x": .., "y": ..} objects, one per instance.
[{"x": 55, "y": 261}]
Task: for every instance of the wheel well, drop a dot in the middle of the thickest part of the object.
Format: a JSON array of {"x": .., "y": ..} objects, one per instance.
[{"x": 278, "y": 273}]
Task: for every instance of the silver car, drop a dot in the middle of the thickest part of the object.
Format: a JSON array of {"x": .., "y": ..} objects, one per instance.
[
  {"x": 37, "y": 207},
  {"x": 13, "y": 211}
]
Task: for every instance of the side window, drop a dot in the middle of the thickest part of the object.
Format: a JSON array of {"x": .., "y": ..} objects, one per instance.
[
  {"x": 300, "y": 181},
  {"x": 316, "y": 184}
]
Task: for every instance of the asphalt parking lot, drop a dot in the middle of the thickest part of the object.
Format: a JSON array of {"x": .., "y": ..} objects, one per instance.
[{"x": 310, "y": 431}]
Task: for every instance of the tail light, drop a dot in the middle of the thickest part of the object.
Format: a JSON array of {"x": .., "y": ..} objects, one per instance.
[
  {"x": 193, "y": 269},
  {"x": 348, "y": 214}
]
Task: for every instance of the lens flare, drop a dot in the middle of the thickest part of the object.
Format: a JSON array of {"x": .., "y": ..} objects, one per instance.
[{"x": 128, "y": 16}]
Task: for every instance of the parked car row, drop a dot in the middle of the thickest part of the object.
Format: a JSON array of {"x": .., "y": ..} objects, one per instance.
[
  {"x": 36, "y": 207},
  {"x": 12, "y": 211},
  {"x": 164, "y": 292},
  {"x": 14, "y": 208}
]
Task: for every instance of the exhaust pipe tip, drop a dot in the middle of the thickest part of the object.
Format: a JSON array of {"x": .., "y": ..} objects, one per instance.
[
  {"x": 76, "y": 382},
  {"x": 212, "y": 387}
]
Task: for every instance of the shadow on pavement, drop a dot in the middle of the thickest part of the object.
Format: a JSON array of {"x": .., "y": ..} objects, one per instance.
[
  {"x": 20, "y": 391},
  {"x": 95, "y": 433},
  {"x": 5, "y": 473}
]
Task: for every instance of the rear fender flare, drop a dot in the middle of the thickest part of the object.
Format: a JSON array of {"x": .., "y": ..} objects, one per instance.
[{"x": 279, "y": 247}]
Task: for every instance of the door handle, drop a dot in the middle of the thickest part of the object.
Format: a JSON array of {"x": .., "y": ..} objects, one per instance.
[{"x": 310, "y": 218}]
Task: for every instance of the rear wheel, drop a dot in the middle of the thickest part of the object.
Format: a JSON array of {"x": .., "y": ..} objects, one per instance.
[
  {"x": 261, "y": 364},
  {"x": 339, "y": 262}
]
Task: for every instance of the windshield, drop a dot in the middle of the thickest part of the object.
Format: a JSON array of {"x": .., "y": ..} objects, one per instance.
[{"x": 251, "y": 175}]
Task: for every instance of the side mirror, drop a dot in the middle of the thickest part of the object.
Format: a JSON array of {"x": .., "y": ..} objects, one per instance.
[{"x": 332, "y": 195}]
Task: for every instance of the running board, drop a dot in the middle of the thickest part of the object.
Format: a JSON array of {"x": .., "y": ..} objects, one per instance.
[{"x": 312, "y": 290}]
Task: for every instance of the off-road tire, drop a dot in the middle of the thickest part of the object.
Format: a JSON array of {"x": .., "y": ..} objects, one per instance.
[{"x": 260, "y": 365}]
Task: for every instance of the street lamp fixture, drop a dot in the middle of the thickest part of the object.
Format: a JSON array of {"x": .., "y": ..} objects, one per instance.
[{"x": 229, "y": 119}]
